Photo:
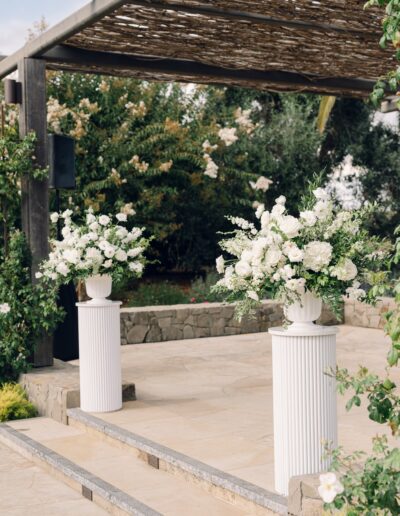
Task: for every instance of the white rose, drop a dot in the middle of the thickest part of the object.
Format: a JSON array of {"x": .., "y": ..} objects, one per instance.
[
  {"x": 345, "y": 270},
  {"x": 62, "y": 268},
  {"x": 220, "y": 263},
  {"x": 121, "y": 232},
  {"x": 287, "y": 272},
  {"x": 121, "y": 217},
  {"x": 291, "y": 250},
  {"x": 38, "y": 275},
  {"x": 107, "y": 264},
  {"x": 308, "y": 218},
  {"x": 71, "y": 256},
  {"x": 273, "y": 256},
  {"x": 67, "y": 214},
  {"x": 94, "y": 226},
  {"x": 104, "y": 220},
  {"x": 132, "y": 253},
  {"x": 317, "y": 255},
  {"x": 109, "y": 251},
  {"x": 94, "y": 255},
  {"x": 280, "y": 200},
  {"x": 121, "y": 255},
  {"x": 54, "y": 217},
  {"x": 243, "y": 269},
  {"x": 290, "y": 226},
  {"x": 136, "y": 267}
]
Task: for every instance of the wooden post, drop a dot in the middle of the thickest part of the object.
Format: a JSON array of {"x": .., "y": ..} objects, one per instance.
[{"x": 35, "y": 194}]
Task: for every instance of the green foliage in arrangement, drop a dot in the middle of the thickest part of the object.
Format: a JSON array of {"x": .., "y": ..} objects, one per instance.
[
  {"x": 14, "y": 403},
  {"x": 26, "y": 310}
]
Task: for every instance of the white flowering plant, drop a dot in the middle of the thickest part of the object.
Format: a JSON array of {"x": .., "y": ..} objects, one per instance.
[
  {"x": 99, "y": 246},
  {"x": 324, "y": 250}
]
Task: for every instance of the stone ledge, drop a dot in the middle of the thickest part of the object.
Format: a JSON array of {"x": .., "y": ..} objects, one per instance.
[
  {"x": 221, "y": 483},
  {"x": 304, "y": 499},
  {"x": 54, "y": 390},
  {"x": 368, "y": 316}
]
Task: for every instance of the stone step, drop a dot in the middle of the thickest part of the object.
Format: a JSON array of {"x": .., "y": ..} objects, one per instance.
[
  {"x": 115, "y": 477},
  {"x": 249, "y": 497}
]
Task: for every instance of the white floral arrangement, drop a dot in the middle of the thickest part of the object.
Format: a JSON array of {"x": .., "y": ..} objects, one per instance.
[
  {"x": 323, "y": 250},
  {"x": 97, "y": 247}
]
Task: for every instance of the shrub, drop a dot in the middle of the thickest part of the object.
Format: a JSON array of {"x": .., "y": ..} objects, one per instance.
[
  {"x": 150, "y": 294},
  {"x": 14, "y": 403},
  {"x": 26, "y": 310},
  {"x": 200, "y": 291}
]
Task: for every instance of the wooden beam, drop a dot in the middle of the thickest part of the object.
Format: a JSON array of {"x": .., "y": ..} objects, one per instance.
[
  {"x": 87, "y": 15},
  {"x": 64, "y": 54},
  {"x": 35, "y": 194}
]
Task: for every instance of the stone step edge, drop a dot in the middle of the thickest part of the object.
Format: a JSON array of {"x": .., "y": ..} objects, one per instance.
[
  {"x": 90, "y": 486},
  {"x": 231, "y": 485}
]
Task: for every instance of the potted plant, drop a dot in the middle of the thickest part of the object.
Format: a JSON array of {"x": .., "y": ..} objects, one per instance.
[
  {"x": 98, "y": 252},
  {"x": 320, "y": 255}
]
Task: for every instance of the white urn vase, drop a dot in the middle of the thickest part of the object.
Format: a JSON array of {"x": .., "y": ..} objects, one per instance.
[
  {"x": 304, "y": 312},
  {"x": 98, "y": 288}
]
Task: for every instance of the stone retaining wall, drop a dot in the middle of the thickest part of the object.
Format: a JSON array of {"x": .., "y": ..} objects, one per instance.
[
  {"x": 162, "y": 323},
  {"x": 367, "y": 316}
]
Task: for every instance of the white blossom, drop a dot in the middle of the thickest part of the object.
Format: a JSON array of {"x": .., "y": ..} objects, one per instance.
[
  {"x": 308, "y": 218},
  {"x": 121, "y": 217},
  {"x": 5, "y": 308},
  {"x": 329, "y": 487},
  {"x": 104, "y": 220},
  {"x": 220, "y": 262},
  {"x": 54, "y": 217},
  {"x": 290, "y": 226},
  {"x": 262, "y": 183},
  {"x": 228, "y": 135}
]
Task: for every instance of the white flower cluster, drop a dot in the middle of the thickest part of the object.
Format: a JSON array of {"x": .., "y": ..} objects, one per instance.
[
  {"x": 243, "y": 120},
  {"x": 98, "y": 247},
  {"x": 262, "y": 183},
  {"x": 4, "y": 308},
  {"x": 287, "y": 254},
  {"x": 228, "y": 135},
  {"x": 329, "y": 487}
]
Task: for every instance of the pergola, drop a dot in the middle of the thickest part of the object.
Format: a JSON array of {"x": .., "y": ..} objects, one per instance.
[{"x": 328, "y": 47}]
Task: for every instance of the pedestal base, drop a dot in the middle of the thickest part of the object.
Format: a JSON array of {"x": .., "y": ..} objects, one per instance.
[
  {"x": 304, "y": 400},
  {"x": 100, "y": 357}
]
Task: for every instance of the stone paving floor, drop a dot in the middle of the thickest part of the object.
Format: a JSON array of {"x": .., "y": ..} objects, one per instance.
[
  {"x": 25, "y": 489},
  {"x": 211, "y": 398}
]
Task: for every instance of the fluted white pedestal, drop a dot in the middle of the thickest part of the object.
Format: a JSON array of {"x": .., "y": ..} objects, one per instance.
[
  {"x": 100, "y": 356},
  {"x": 304, "y": 400}
]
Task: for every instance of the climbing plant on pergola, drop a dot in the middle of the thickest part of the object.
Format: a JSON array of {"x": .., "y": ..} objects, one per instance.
[{"x": 293, "y": 45}]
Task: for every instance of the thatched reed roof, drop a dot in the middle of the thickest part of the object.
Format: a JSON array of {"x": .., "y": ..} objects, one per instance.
[{"x": 293, "y": 45}]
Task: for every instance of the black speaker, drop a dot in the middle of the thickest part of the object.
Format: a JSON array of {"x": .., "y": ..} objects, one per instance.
[{"x": 61, "y": 162}]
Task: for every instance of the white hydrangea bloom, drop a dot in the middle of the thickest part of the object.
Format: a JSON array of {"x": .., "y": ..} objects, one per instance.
[
  {"x": 345, "y": 270},
  {"x": 290, "y": 226},
  {"x": 317, "y": 255}
]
